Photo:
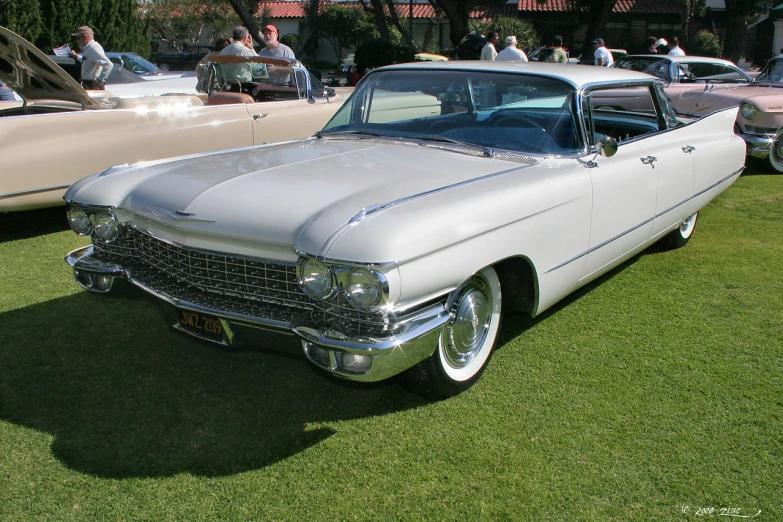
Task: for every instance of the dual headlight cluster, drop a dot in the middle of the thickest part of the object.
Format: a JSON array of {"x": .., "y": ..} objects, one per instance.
[
  {"x": 101, "y": 223},
  {"x": 365, "y": 288},
  {"x": 748, "y": 111}
]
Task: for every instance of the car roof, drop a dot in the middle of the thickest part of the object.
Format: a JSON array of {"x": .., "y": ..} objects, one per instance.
[
  {"x": 682, "y": 59},
  {"x": 577, "y": 75}
]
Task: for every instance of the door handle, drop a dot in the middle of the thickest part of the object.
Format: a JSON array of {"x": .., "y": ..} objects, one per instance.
[
  {"x": 649, "y": 160},
  {"x": 688, "y": 149},
  {"x": 257, "y": 117}
]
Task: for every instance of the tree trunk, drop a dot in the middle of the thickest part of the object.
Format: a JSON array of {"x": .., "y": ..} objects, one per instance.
[
  {"x": 597, "y": 17},
  {"x": 738, "y": 22},
  {"x": 247, "y": 20}
]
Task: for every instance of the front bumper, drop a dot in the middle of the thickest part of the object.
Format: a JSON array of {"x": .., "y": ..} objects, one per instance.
[
  {"x": 758, "y": 145},
  {"x": 355, "y": 357}
]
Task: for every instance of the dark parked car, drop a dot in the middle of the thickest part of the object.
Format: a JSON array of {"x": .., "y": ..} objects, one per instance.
[{"x": 186, "y": 60}]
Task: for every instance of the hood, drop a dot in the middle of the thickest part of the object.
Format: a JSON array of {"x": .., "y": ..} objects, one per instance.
[
  {"x": 299, "y": 193},
  {"x": 34, "y": 76},
  {"x": 698, "y": 101}
]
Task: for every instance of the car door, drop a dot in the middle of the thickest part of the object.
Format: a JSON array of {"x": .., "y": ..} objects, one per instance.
[
  {"x": 670, "y": 155},
  {"x": 624, "y": 189}
]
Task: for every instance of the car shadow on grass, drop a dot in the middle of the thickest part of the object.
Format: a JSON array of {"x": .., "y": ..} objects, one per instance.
[
  {"x": 123, "y": 395},
  {"x": 516, "y": 324},
  {"x": 32, "y": 223}
]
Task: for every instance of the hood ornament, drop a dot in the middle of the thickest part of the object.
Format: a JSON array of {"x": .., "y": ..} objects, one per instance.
[{"x": 181, "y": 215}]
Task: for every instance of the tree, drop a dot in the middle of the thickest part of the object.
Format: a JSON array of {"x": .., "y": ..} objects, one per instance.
[
  {"x": 458, "y": 14},
  {"x": 22, "y": 17},
  {"x": 184, "y": 22},
  {"x": 738, "y": 13},
  {"x": 705, "y": 44},
  {"x": 507, "y": 26},
  {"x": 346, "y": 26}
]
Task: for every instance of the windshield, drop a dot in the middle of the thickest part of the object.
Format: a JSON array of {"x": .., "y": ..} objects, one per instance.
[
  {"x": 136, "y": 64},
  {"x": 646, "y": 64},
  {"x": 499, "y": 111},
  {"x": 772, "y": 72}
]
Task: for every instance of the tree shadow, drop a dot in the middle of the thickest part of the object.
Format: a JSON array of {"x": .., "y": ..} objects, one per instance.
[{"x": 124, "y": 395}]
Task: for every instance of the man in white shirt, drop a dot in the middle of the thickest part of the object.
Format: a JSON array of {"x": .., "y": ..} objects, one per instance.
[
  {"x": 603, "y": 58},
  {"x": 242, "y": 46},
  {"x": 488, "y": 53},
  {"x": 511, "y": 53},
  {"x": 95, "y": 66},
  {"x": 674, "y": 47}
]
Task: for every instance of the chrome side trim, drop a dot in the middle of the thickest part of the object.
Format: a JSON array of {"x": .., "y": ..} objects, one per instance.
[
  {"x": 659, "y": 214},
  {"x": 8, "y": 195},
  {"x": 372, "y": 209}
]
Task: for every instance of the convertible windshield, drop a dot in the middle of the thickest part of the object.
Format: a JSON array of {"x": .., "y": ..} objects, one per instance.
[
  {"x": 498, "y": 111},
  {"x": 647, "y": 64}
]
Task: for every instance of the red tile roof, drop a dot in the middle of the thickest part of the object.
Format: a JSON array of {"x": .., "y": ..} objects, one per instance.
[
  {"x": 295, "y": 9},
  {"x": 622, "y": 6}
]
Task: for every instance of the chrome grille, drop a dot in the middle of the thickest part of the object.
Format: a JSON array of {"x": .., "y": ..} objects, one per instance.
[{"x": 248, "y": 286}]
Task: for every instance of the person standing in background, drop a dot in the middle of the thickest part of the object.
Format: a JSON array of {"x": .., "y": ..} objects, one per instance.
[
  {"x": 603, "y": 58},
  {"x": 651, "y": 45},
  {"x": 559, "y": 54},
  {"x": 95, "y": 65},
  {"x": 511, "y": 53},
  {"x": 489, "y": 53},
  {"x": 674, "y": 47}
]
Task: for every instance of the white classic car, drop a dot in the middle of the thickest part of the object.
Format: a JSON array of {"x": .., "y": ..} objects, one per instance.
[
  {"x": 60, "y": 132},
  {"x": 438, "y": 198}
]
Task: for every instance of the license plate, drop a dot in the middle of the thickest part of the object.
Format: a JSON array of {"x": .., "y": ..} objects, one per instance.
[{"x": 201, "y": 325}]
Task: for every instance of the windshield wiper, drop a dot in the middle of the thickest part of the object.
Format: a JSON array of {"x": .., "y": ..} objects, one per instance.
[{"x": 488, "y": 152}]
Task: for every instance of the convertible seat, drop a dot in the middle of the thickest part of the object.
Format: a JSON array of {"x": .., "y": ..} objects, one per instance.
[{"x": 227, "y": 98}]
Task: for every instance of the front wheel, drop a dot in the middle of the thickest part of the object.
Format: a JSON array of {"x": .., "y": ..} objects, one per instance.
[
  {"x": 466, "y": 341},
  {"x": 776, "y": 152},
  {"x": 680, "y": 236}
]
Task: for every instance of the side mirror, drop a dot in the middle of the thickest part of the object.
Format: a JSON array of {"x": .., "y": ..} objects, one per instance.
[{"x": 607, "y": 146}]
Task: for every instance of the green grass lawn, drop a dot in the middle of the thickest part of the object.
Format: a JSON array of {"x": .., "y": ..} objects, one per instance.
[{"x": 655, "y": 389}]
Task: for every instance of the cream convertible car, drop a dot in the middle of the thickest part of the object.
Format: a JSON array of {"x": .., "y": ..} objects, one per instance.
[
  {"x": 439, "y": 197},
  {"x": 61, "y": 133}
]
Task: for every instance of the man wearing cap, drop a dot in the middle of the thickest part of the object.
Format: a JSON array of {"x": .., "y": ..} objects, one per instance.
[
  {"x": 603, "y": 58},
  {"x": 241, "y": 46},
  {"x": 95, "y": 66},
  {"x": 511, "y": 53},
  {"x": 274, "y": 49}
]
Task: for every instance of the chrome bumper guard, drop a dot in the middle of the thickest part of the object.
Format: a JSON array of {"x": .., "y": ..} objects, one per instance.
[
  {"x": 759, "y": 145},
  {"x": 366, "y": 359}
]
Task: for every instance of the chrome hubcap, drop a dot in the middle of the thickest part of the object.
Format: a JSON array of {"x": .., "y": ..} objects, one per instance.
[
  {"x": 466, "y": 333},
  {"x": 686, "y": 228},
  {"x": 776, "y": 154}
]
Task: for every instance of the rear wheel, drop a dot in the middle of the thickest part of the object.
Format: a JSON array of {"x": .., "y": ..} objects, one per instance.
[
  {"x": 466, "y": 341},
  {"x": 680, "y": 236}
]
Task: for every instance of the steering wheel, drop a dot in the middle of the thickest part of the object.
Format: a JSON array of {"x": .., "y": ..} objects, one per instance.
[
  {"x": 228, "y": 86},
  {"x": 516, "y": 120},
  {"x": 138, "y": 69}
]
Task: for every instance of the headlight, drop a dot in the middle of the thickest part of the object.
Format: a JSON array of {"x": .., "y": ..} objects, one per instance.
[
  {"x": 315, "y": 278},
  {"x": 363, "y": 288},
  {"x": 79, "y": 221},
  {"x": 104, "y": 227},
  {"x": 748, "y": 111}
]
